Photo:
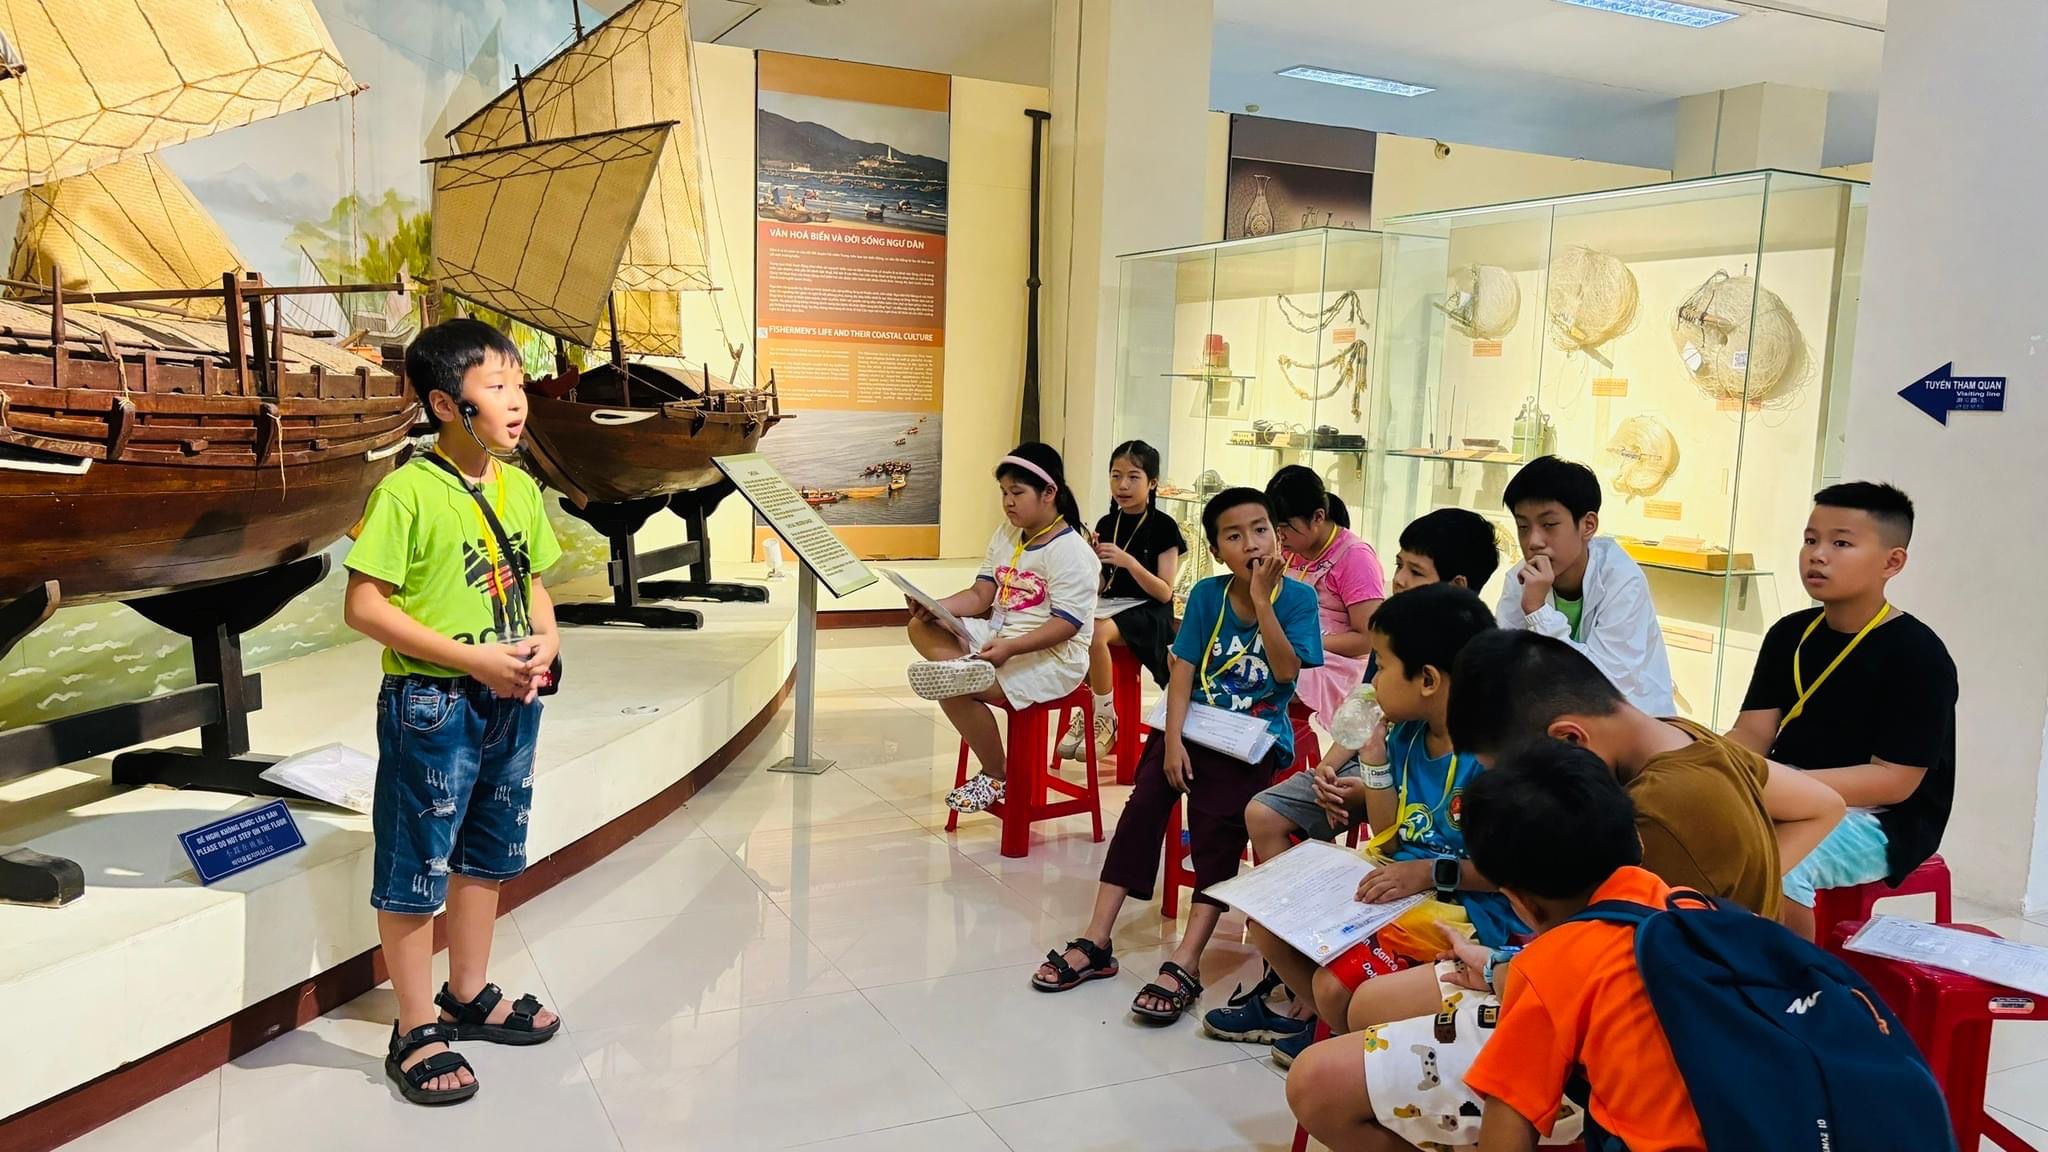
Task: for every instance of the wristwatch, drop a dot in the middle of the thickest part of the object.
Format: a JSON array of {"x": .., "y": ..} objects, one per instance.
[
  {"x": 1499, "y": 957},
  {"x": 1445, "y": 873}
]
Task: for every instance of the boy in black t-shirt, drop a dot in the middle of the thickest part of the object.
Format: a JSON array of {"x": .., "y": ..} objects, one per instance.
[{"x": 1860, "y": 695}]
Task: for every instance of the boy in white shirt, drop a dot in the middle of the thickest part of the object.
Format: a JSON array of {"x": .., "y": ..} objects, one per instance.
[{"x": 1580, "y": 587}]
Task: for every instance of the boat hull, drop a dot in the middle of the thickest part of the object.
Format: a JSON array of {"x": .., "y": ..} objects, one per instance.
[{"x": 605, "y": 454}]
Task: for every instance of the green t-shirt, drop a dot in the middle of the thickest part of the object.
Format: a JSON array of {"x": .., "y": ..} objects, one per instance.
[
  {"x": 1573, "y": 610},
  {"x": 423, "y": 533}
]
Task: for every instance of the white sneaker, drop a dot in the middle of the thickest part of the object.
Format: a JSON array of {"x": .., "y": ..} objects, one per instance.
[
  {"x": 976, "y": 795},
  {"x": 945, "y": 679},
  {"x": 1105, "y": 734},
  {"x": 1070, "y": 744}
]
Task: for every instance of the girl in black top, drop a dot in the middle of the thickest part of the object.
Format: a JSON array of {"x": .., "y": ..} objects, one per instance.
[{"x": 1140, "y": 547}]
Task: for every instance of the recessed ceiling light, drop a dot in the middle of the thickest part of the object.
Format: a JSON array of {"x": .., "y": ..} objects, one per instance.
[
  {"x": 828, "y": 3},
  {"x": 1663, "y": 11},
  {"x": 1354, "y": 80}
]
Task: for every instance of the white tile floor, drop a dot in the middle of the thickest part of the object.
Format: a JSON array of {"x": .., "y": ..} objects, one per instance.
[{"x": 814, "y": 962}]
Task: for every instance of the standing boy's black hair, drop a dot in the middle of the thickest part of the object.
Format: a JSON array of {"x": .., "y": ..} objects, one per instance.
[
  {"x": 1890, "y": 507},
  {"x": 1548, "y": 478},
  {"x": 1146, "y": 457},
  {"x": 1459, "y": 541},
  {"x": 1550, "y": 820},
  {"x": 439, "y": 357},
  {"x": 1046, "y": 457},
  {"x": 1430, "y": 625},
  {"x": 1224, "y": 501},
  {"x": 1297, "y": 493},
  {"x": 1513, "y": 683}
]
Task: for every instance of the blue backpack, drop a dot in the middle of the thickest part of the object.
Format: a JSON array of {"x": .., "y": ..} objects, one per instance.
[{"x": 1782, "y": 1047}]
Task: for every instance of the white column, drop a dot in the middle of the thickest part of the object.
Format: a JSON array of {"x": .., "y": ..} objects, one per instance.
[
  {"x": 1751, "y": 127},
  {"x": 1957, "y": 270},
  {"x": 1127, "y": 172}
]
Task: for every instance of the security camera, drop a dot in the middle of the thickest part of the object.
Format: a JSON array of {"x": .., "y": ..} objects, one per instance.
[{"x": 1443, "y": 150}]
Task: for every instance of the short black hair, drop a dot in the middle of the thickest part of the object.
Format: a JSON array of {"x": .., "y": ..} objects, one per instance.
[
  {"x": 439, "y": 357},
  {"x": 1459, "y": 541},
  {"x": 1430, "y": 625},
  {"x": 1548, "y": 478},
  {"x": 1224, "y": 501},
  {"x": 1550, "y": 820},
  {"x": 1297, "y": 493},
  {"x": 1890, "y": 507},
  {"x": 1512, "y": 684}
]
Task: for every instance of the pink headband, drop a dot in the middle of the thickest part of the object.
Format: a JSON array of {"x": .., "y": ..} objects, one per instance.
[{"x": 1034, "y": 469}]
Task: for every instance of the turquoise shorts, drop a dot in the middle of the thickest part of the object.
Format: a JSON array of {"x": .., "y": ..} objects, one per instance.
[{"x": 1856, "y": 852}]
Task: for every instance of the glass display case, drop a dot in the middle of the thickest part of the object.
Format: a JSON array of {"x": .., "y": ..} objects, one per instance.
[
  {"x": 1688, "y": 341},
  {"x": 1234, "y": 359}
]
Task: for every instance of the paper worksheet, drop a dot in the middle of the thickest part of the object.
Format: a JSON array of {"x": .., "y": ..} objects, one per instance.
[
  {"x": 1988, "y": 958},
  {"x": 1307, "y": 896},
  {"x": 931, "y": 605},
  {"x": 1237, "y": 734}
]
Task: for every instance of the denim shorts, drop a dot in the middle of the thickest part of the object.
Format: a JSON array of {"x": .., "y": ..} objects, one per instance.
[{"x": 454, "y": 785}]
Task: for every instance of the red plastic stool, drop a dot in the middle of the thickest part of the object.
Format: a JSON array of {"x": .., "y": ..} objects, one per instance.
[
  {"x": 1833, "y": 906},
  {"x": 1949, "y": 1015},
  {"x": 1030, "y": 760},
  {"x": 1181, "y": 874},
  {"x": 1127, "y": 690}
]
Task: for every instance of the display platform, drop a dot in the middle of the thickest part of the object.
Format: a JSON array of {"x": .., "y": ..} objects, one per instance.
[{"x": 148, "y": 958}]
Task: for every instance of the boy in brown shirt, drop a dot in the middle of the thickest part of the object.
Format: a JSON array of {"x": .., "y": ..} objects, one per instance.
[{"x": 1714, "y": 816}]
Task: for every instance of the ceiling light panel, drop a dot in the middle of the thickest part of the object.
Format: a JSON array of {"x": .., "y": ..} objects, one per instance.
[
  {"x": 1354, "y": 80},
  {"x": 1662, "y": 11}
]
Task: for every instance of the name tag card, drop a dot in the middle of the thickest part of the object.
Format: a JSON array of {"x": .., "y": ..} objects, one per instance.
[{"x": 239, "y": 842}]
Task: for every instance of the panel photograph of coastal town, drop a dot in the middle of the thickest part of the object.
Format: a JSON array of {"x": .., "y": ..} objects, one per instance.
[{"x": 835, "y": 161}]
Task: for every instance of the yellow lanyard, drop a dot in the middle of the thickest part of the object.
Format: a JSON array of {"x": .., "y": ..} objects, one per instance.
[
  {"x": 1329, "y": 542},
  {"x": 1401, "y": 801},
  {"x": 490, "y": 538},
  {"x": 1108, "y": 574},
  {"x": 1017, "y": 554},
  {"x": 1799, "y": 684},
  {"x": 1215, "y": 634}
]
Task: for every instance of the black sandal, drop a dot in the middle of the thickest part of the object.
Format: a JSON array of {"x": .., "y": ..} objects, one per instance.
[
  {"x": 469, "y": 1019},
  {"x": 1102, "y": 965},
  {"x": 1189, "y": 994},
  {"x": 413, "y": 1081}
]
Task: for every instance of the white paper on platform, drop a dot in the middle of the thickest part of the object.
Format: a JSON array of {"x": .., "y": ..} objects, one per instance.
[
  {"x": 1988, "y": 958},
  {"x": 333, "y": 774},
  {"x": 1238, "y": 734},
  {"x": 1307, "y": 896},
  {"x": 928, "y": 603}
]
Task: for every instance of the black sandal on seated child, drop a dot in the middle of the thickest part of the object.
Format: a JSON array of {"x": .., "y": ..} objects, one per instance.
[
  {"x": 1189, "y": 994},
  {"x": 1102, "y": 965},
  {"x": 413, "y": 1081},
  {"x": 469, "y": 1020}
]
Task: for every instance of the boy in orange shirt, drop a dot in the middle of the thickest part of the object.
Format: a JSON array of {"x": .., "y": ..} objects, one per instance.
[{"x": 1554, "y": 829}]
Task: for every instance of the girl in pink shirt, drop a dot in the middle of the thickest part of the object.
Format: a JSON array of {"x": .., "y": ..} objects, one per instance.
[{"x": 1322, "y": 552}]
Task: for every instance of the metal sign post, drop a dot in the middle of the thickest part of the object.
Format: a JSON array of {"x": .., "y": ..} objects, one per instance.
[{"x": 803, "y": 760}]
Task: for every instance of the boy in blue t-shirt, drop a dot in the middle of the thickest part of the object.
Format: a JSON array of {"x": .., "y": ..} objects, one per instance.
[
  {"x": 1243, "y": 640},
  {"x": 1411, "y": 791}
]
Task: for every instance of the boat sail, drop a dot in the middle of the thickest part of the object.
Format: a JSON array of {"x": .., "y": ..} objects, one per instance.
[
  {"x": 143, "y": 446},
  {"x": 521, "y": 228}
]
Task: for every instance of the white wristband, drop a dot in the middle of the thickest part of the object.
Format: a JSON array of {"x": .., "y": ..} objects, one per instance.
[{"x": 1378, "y": 777}]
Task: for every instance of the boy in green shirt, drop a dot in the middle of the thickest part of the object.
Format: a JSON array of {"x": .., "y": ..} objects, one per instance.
[{"x": 441, "y": 574}]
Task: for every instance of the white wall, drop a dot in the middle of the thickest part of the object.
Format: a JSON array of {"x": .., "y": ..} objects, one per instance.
[
  {"x": 1957, "y": 269},
  {"x": 1408, "y": 176}
]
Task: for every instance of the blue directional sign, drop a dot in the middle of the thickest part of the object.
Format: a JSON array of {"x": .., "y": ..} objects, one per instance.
[
  {"x": 239, "y": 842},
  {"x": 1941, "y": 392}
]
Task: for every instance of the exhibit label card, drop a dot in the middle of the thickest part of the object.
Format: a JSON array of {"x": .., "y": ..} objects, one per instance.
[
  {"x": 240, "y": 842},
  {"x": 815, "y": 544}
]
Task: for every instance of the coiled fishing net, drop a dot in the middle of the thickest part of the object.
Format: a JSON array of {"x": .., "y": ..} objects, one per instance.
[
  {"x": 1740, "y": 343},
  {"x": 1592, "y": 298},
  {"x": 1483, "y": 300},
  {"x": 1642, "y": 455}
]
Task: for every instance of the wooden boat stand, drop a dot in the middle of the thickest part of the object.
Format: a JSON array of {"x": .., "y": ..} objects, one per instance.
[
  {"x": 214, "y": 618},
  {"x": 617, "y": 522}
]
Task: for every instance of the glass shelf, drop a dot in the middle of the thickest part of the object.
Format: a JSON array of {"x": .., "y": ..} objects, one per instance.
[
  {"x": 1204, "y": 376},
  {"x": 1487, "y": 456}
]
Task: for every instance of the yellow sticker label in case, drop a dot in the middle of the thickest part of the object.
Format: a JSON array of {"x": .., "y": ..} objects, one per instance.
[
  {"x": 1664, "y": 509},
  {"x": 1610, "y": 385},
  {"x": 1486, "y": 349}
]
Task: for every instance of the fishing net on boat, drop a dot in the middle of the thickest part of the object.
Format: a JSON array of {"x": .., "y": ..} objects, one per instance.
[
  {"x": 1740, "y": 343},
  {"x": 1642, "y": 455},
  {"x": 1592, "y": 298},
  {"x": 1483, "y": 300}
]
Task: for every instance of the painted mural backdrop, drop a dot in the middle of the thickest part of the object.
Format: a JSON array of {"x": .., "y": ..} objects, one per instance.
[
  {"x": 335, "y": 192},
  {"x": 851, "y": 290}
]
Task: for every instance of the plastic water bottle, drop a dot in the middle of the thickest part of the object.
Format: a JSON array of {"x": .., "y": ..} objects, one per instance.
[
  {"x": 1357, "y": 718},
  {"x": 773, "y": 551}
]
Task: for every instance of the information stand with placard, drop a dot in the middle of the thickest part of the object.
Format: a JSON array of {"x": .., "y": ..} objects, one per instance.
[{"x": 822, "y": 556}]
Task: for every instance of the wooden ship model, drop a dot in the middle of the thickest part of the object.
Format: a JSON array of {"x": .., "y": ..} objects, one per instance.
[
  {"x": 167, "y": 439},
  {"x": 573, "y": 203}
]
